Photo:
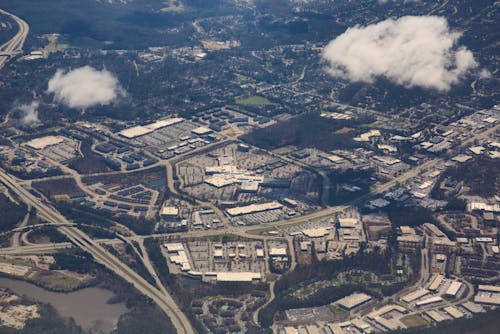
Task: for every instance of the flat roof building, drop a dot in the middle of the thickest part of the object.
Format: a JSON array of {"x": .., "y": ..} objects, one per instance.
[
  {"x": 454, "y": 312},
  {"x": 430, "y": 300},
  {"x": 277, "y": 252},
  {"x": 315, "y": 232},
  {"x": 491, "y": 299},
  {"x": 436, "y": 282},
  {"x": 387, "y": 324},
  {"x": 453, "y": 289},
  {"x": 415, "y": 295},
  {"x": 169, "y": 212},
  {"x": 472, "y": 307},
  {"x": 201, "y": 131},
  {"x": 435, "y": 315},
  {"x": 348, "y": 222},
  {"x": 237, "y": 276},
  {"x": 142, "y": 130},
  {"x": 490, "y": 288},
  {"x": 386, "y": 309},
  {"x": 174, "y": 247},
  {"x": 43, "y": 142},
  {"x": 253, "y": 208},
  {"x": 353, "y": 300}
]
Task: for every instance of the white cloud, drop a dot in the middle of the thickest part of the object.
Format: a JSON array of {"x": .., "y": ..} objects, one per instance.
[
  {"x": 413, "y": 51},
  {"x": 30, "y": 113},
  {"x": 85, "y": 87}
]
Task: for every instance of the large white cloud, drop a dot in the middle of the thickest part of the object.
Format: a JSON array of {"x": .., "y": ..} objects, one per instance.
[
  {"x": 85, "y": 87},
  {"x": 30, "y": 113},
  {"x": 411, "y": 51}
]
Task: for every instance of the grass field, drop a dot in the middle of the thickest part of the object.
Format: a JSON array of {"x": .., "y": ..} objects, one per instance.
[
  {"x": 255, "y": 101},
  {"x": 413, "y": 320},
  {"x": 57, "y": 281}
]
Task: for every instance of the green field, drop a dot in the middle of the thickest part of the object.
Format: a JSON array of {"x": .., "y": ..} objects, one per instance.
[{"x": 255, "y": 101}]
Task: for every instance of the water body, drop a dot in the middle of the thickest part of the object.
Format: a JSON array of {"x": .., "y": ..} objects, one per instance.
[{"x": 87, "y": 306}]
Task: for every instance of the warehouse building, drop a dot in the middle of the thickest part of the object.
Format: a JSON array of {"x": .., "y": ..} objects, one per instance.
[
  {"x": 142, "y": 130},
  {"x": 428, "y": 301},
  {"x": 354, "y": 300},
  {"x": 436, "y": 282},
  {"x": 237, "y": 277},
  {"x": 253, "y": 208},
  {"x": 453, "y": 289},
  {"x": 415, "y": 295},
  {"x": 43, "y": 142},
  {"x": 454, "y": 312}
]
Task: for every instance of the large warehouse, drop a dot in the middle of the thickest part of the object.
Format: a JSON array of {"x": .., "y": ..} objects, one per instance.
[{"x": 354, "y": 300}]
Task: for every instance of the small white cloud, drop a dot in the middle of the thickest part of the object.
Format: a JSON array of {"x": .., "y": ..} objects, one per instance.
[
  {"x": 485, "y": 74},
  {"x": 413, "y": 51},
  {"x": 85, "y": 87},
  {"x": 30, "y": 113}
]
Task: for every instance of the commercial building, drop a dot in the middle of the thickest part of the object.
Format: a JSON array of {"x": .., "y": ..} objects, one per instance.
[
  {"x": 435, "y": 315},
  {"x": 491, "y": 299},
  {"x": 169, "y": 212},
  {"x": 453, "y": 289},
  {"x": 348, "y": 222},
  {"x": 43, "y": 142},
  {"x": 253, "y": 208},
  {"x": 415, "y": 295},
  {"x": 410, "y": 242},
  {"x": 472, "y": 307},
  {"x": 387, "y": 324},
  {"x": 274, "y": 252},
  {"x": 363, "y": 326},
  {"x": 174, "y": 247},
  {"x": 142, "y": 130},
  {"x": 386, "y": 309},
  {"x": 353, "y": 300},
  {"x": 430, "y": 300},
  {"x": 201, "y": 131},
  {"x": 316, "y": 232},
  {"x": 489, "y": 288},
  {"x": 237, "y": 277},
  {"x": 454, "y": 312},
  {"x": 436, "y": 282}
]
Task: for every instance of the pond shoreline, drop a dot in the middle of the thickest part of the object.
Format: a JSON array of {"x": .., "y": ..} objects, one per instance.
[{"x": 90, "y": 307}]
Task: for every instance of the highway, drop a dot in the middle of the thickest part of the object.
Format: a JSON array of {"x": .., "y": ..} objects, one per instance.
[
  {"x": 162, "y": 298},
  {"x": 15, "y": 45}
]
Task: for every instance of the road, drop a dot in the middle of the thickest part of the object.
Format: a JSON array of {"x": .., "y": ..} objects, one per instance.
[
  {"x": 14, "y": 241},
  {"x": 163, "y": 299},
  {"x": 15, "y": 45}
]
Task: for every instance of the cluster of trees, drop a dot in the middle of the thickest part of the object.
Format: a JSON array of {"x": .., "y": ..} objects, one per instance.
[
  {"x": 409, "y": 215},
  {"x": 376, "y": 262},
  {"x": 12, "y": 213},
  {"x": 77, "y": 261},
  {"x": 90, "y": 162},
  {"x": 306, "y": 130},
  {"x": 47, "y": 231}
]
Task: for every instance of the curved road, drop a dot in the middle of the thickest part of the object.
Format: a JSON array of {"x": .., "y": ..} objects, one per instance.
[
  {"x": 15, "y": 45},
  {"x": 162, "y": 298}
]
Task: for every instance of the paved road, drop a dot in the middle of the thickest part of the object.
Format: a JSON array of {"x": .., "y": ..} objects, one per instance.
[
  {"x": 15, "y": 45},
  {"x": 14, "y": 241},
  {"x": 163, "y": 299},
  {"x": 34, "y": 249}
]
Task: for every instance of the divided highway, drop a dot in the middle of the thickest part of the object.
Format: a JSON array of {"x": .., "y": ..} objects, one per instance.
[
  {"x": 162, "y": 298},
  {"x": 15, "y": 45}
]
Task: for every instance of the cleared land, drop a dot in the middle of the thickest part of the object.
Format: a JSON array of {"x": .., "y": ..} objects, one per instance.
[
  {"x": 413, "y": 320},
  {"x": 255, "y": 101}
]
